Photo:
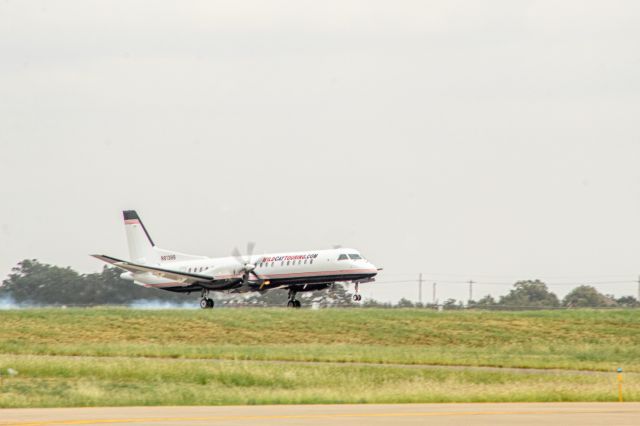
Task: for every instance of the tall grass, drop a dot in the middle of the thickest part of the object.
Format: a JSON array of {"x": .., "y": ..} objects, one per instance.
[
  {"x": 597, "y": 340},
  {"x": 46, "y": 382},
  {"x": 107, "y": 346}
]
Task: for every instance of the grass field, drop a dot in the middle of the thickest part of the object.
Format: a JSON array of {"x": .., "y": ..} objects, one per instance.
[{"x": 112, "y": 356}]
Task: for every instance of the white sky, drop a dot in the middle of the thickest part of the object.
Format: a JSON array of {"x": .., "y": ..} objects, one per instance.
[{"x": 488, "y": 140}]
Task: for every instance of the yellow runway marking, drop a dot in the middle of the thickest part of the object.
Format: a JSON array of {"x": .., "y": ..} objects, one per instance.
[{"x": 305, "y": 416}]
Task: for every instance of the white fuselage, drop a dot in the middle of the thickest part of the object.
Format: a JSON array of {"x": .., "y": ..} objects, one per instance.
[{"x": 321, "y": 266}]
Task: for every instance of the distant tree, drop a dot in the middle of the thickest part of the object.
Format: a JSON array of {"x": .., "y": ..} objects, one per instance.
[
  {"x": 486, "y": 301},
  {"x": 531, "y": 294},
  {"x": 35, "y": 283},
  {"x": 452, "y": 304},
  {"x": 587, "y": 296},
  {"x": 405, "y": 303},
  {"x": 628, "y": 302},
  {"x": 31, "y": 282},
  {"x": 372, "y": 303},
  {"x": 336, "y": 295}
]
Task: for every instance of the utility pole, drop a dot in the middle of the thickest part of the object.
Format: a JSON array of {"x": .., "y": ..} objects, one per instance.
[
  {"x": 470, "y": 291},
  {"x": 420, "y": 288}
]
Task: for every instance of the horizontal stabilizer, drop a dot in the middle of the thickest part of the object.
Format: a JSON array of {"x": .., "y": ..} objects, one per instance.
[{"x": 185, "y": 277}]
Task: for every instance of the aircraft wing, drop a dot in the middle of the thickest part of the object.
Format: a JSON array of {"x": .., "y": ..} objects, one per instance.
[{"x": 181, "y": 276}]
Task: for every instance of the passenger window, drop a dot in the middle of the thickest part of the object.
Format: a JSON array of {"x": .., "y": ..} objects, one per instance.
[
  {"x": 343, "y": 257},
  {"x": 271, "y": 263},
  {"x": 311, "y": 261}
]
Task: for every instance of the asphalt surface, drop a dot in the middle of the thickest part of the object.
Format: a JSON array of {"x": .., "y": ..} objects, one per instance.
[{"x": 306, "y": 415}]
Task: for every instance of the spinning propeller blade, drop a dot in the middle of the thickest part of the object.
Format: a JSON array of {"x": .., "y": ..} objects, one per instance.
[{"x": 246, "y": 264}]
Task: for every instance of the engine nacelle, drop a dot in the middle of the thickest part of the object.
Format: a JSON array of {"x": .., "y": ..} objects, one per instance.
[{"x": 127, "y": 276}]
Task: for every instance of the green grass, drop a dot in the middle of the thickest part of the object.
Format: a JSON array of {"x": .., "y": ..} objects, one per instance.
[
  {"x": 107, "y": 345},
  {"x": 46, "y": 382}
]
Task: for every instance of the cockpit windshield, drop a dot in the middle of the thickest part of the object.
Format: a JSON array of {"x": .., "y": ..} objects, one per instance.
[
  {"x": 343, "y": 257},
  {"x": 355, "y": 256}
]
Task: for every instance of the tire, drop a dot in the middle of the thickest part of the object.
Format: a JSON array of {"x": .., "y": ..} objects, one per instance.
[
  {"x": 210, "y": 303},
  {"x": 290, "y": 304},
  {"x": 296, "y": 304},
  {"x": 204, "y": 303}
]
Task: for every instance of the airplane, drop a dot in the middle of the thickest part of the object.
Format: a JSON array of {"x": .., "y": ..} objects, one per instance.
[{"x": 151, "y": 266}]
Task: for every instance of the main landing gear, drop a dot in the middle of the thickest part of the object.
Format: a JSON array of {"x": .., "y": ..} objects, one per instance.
[
  {"x": 357, "y": 297},
  {"x": 293, "y": 303},
  {"x": 205, "y": 302}
]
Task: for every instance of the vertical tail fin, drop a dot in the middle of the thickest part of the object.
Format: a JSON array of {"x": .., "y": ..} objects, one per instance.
[
  {"x": 141, "y": 247},
  {"x": 140, "y": 243}
]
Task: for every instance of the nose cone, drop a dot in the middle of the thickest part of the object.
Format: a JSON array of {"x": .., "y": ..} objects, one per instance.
[
  {"x": 373, "y": 268},
  {"x": 366, "y": 267}
]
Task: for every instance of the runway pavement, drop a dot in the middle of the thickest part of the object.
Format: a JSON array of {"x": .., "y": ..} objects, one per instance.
[{"x": 313, "y": 415}]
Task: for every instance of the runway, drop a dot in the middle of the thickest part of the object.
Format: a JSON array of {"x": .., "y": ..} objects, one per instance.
[{"x": 315, "y": 415}]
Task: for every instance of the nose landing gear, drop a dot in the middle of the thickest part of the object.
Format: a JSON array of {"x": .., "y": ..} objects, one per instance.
[{"x": 357, "y": 297}]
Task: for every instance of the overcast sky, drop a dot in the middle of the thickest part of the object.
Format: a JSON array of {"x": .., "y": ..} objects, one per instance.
[{"x": 485, "y": 140}]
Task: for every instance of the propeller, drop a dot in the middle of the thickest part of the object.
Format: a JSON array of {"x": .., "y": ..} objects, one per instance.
[{"x": 246, "y": 265}]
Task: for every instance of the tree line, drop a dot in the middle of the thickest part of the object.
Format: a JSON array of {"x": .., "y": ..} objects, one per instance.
[
  {"x": 534, "y": 294},
  {"x": 32, "y": 283}
]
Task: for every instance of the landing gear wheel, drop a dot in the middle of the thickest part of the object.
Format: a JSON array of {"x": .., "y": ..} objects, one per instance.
[
  {"x": 204, "y": 303},
  {"x": 357, "y": 297},
  {"x": 292, "y": 303},
  {"x": 210, "y": 303}
]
